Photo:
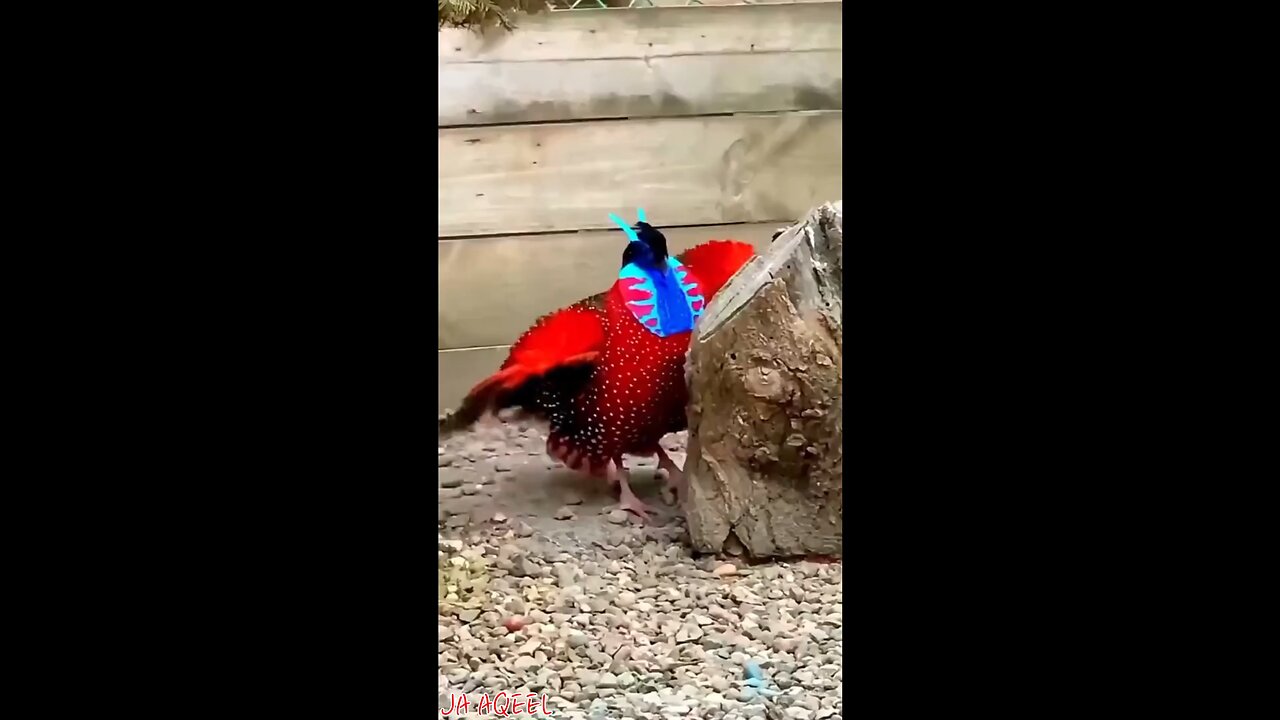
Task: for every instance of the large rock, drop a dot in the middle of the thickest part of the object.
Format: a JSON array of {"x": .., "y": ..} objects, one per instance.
[{"x": 765, "y": 455}]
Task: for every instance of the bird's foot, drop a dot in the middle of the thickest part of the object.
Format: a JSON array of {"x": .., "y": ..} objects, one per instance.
[
  {"x": 632, "y": 503},
  {"x": 614, "y": 474},
  {"x": 617, "y": 475}
]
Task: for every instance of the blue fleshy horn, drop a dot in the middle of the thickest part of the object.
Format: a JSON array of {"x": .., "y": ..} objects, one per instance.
[{"x": 631, "y": 233}]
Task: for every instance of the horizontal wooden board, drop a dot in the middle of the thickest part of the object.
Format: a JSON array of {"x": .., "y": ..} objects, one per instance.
[
  {"x": 650, "y": 33},
  {"x": 482, "y": 94},
  {"x": 707, "y": 61},
  {"x": 683, "y": 171},
  {"x": 460, "y": 370},
  {"x": 492, "y": 289}
]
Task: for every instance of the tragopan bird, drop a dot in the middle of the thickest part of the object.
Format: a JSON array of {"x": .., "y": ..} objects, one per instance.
[{"x": 607, "y": 372}]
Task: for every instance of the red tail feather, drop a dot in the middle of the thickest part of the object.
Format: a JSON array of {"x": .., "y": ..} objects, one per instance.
[
  {"x": 547, "y": 353},
  {"x": 564, "y": 337}
]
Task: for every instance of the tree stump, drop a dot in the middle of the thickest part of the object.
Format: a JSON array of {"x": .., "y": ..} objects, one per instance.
[{"x": 765, "y": 465}]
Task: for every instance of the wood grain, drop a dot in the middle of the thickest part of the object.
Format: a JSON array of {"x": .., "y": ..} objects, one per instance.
[
  {"x": 765, "y": 459},
  {"x": 683, "y": 171},
  {"x": 490, "y": 290},
  {"x": 662, "y": 62},
  {"x": 481, "y": 94},
  {"x": 650, "y": 33}
]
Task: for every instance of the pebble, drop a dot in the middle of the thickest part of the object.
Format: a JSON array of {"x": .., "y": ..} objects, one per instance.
[
  {"x": 525, "y": 567},
  {"x": 688, "y": 632},
  {"x": 618, "y": 619},
  {"x": 733, "y": 546},
  {"x": 564, "y": 513}
]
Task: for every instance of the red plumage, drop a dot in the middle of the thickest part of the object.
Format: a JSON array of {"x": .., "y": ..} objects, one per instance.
[
  {"x": 635, "y": 396},
  {"x": 715, "y": 262},
  {"x": 607, "y": 386}
]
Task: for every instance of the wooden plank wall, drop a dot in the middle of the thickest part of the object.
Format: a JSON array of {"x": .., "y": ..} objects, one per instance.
[
  {"x": 722, "y": 122},
  {"x": 645, "y": 62}
]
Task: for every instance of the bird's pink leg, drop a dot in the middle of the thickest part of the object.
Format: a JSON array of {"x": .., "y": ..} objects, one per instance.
[
  {"x": 617, "y": 474},
  {"x": 611, "y": 476},
  {"x": 675, "y": 476}
]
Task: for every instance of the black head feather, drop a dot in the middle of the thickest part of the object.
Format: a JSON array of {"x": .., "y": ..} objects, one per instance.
[{"x": 651, "y": 251}]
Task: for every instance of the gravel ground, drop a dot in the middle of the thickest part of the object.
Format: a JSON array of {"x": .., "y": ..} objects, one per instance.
[{"x": 546, "y": 587}]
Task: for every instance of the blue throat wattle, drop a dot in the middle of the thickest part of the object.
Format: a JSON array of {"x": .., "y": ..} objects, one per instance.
[
  {"x": 674, "y": 314},
  {"x": 666, "y": 300}
]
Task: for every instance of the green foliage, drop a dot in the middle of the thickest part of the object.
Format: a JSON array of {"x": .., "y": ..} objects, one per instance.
[{"x": 481, "y": 15}]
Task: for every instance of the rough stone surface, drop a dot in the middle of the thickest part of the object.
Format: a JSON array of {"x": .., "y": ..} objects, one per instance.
[{"x": 765, "y": 465}]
